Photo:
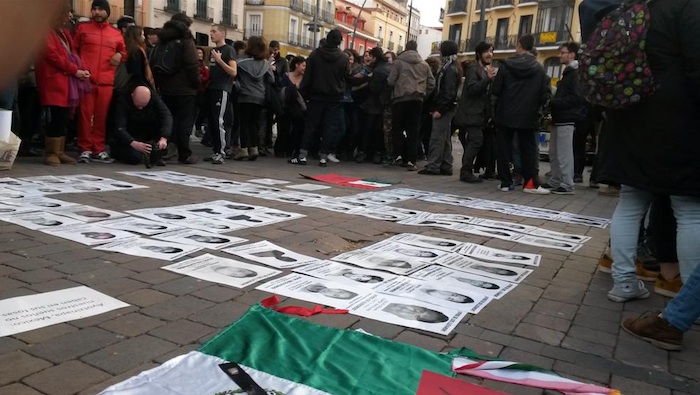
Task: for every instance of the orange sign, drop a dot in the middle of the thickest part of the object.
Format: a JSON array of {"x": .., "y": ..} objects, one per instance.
[{"x": 548, "y": 37}]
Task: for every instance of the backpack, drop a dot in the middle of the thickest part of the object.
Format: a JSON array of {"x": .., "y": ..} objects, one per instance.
[
  {"x": 166, "y": 59},
  {"x": 613, "y": 62}
]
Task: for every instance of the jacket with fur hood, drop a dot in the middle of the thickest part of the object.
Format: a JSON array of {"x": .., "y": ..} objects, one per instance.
[
  {"x": 185, "y": 81},
  {"x": 411, "y": 77},
  {"x": 324, "y": 78}
]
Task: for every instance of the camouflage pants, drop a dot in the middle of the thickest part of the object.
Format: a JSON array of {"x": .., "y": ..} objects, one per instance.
[{"x": 388, "y": 146}]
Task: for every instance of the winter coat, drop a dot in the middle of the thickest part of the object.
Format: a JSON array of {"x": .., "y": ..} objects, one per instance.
[
  {"x": 324, "y": 78},
  {"x": 475, "y": 92},
  {"x": 378, "y": 89},
  {"x": 411, "y": 77},
  {"x": 448, "y": 82},
  {"x": 655, "y": 145},
  {"x": 253, "y": 78},
  {"x": 146, "y": 125},
  {"x": 185, "y": 82},
  {"x": 522, "y": 88},
  {"x": 568, "y": 104},
  {"x": 96, "y": 43},
  {"x": 53, "y": 70}
]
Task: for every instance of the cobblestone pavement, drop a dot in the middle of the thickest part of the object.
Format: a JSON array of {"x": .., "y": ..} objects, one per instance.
[{"x": 558, "y": 318}]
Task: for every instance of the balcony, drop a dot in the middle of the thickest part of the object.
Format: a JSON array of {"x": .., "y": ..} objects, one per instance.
[
  {"x": 550, "y": 38},
  {"x": 204, "y": 13},
  {"x": 308, "y": 8},
  {"x": 380, "y": 43},
  {"x": 391, "y": 46},
  {"x": 254, "y": 2},
  {"x": 296, "y": 5},
  {"x": 526, "y": 3},
  {"x": 503, "y": 42},
  {"x": 327, "y": 16},
  {"x": 487, "y": 5},
  {"x": 399, "y": 49},
  {"x": 229, "y": 19},
  {"x": 441, "y": 18},
  {"x": 502, "y": 4},
  {"x": 294, "y": 39},
  {"x": 248, "y": 33},
  {"x": 307, "y": 42},
  {"x": 456, "y": 7},
  {"x": 462, "y": 45},
  {"x": 174, "y": 6}
]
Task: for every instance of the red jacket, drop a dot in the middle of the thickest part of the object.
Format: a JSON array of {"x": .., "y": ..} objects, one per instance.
[
  {"x": 53, "y": 70},
  {"x": 96, "y": 43}
]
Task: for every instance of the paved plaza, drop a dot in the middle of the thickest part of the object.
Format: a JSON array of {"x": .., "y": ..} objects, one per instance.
[{"x": 559, "y": 318}]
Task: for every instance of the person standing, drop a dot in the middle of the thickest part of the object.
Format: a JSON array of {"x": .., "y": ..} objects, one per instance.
[
  {"x": 372, "y": 138},
  {"x": 222, "y": 70},
  {"x": 473, "y": 105},
  {"x": 324, "y": 86},
  {"x": 568, "y": 107},
  {"x": 57, "y": 69},
  {"x": 412, "y": 80},
  {"x": 179, "y": 89},
  {"x": 201, "y": 104},
  {"x": 137, "y": 65},
  {"x": 448, "y": 79},
  {"x": 101, "y": 48},
  {"x": 522, "y": 89}
]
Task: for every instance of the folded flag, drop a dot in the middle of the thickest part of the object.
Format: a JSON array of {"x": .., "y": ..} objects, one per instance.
[
  {"x": 355, "y": 182},
  {"x": 291, "y": 356},
  {"x": 470, "y": 363}
]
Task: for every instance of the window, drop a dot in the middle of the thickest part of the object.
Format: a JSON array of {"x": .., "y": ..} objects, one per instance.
[
  {"x": 525, "y": 25},
  {"x": 361, "y": 50},
  {"x": 554, "y": 18},
  {"x": 379, "y": 32},
  {"x": 455, "y": 32},
  {"x": 201, "y": 11},
  {"x": 502, "y": 33},
  {"x": 552, "y": 66},
  {"x": 254, "y": 27},
  {"x": 293, "y": 25},
  {"x": 202, "y": 39}
]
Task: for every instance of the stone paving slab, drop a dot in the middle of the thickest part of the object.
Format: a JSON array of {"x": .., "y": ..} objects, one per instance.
[{"x": 557, "y": 318}]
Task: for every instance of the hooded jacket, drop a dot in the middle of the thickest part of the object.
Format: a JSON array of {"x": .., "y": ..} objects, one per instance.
[
  {"x": 324, "y": 78},
  {"x": 185, "y": 81},
  {"x": 568, "y": 104},
  {"x": 522, "y": 88},
  {"x": 96, "y": 43},
  {"x": 253, "y": 75},
  {"x": 448, "y": 82},
  {"x": 411, "y": 77},
  {"x": 472, "y": 107}
]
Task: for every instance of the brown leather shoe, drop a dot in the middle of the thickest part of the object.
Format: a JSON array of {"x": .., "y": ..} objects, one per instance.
[
  {"x": 605, "y": 265},
  {"x": 655, "y": 330},
  {"x": 668, "y": 288}
]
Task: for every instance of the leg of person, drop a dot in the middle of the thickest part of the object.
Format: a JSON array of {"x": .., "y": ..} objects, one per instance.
[
  {"x": 684, "y": 309},
  {"x": 258, "y": 117},
  {"x": 126, "y": 154},
  {"x": 504, "y": 145},
  {"x": 565, "y": 159},
  {"x": 398, "y": 125},
  {"x": 216, "y": 121},
  {"x": 314, "y": 111},
  {"x": 85, "y": 115},
  {"x": 412, "y": 124},
  {"x": 528, "y": 149},
  {"x": 377, "y": 136},
  {"x": 388, "y": 141},
  {"x": 447, "y": 159},
  {"x": 248, "y": 131},
  {"x": 472, "y": 146},
  {"x": 554, "y": 180},
  {"x": 488, "y": 153},
  {"x": 687, "y": 212},
  {"x": 99, "y": 124},
  {"x": 298, "y": 127},
  {"x": 332, "y": 125},
  {"x": 516, "y": 160},
  {"x": 29, "y": 115},
  {"x": 55, "y": 137},
  {"x": 630, "y": 210},
  {"x": 182, "y": 109},
  {"x": 284, "y": 130},
  {"x": 581, "y": 132},
  {"x": 438, "y": 142},
  {"x": 661, "y": 236},
  {"x": 426, "y": 128}
]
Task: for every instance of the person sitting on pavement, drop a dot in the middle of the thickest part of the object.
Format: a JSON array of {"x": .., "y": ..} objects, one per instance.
[{"x": 144, "y": 124}]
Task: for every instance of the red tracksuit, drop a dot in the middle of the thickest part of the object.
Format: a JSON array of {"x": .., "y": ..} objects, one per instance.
[{"x": 96, "y": 43}]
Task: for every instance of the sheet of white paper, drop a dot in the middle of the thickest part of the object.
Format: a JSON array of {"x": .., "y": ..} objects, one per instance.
[
  {"x": 41, "y": 203},
  {"x": 88, "y": 213},
  {"x": 346, "y": 274},
  {"x": 434, "y": 243},
  {"x": 271, "y": 255},
  {"x": 39, "y": 220},
  {"x": 492, "y": 254},
  {"x": 426, "y": 255},
  {"x": 25, "y": 313},
  {"x": 200, "y": 238},
  {"x": 140, "y": 226},
  {"x": 222, "y": 270},
  {"x": 308, "y": 187},
  {"x": 269, "y": 181},
  {"x": 150, "y": 249},
  {"x": 314, "y": 290},
  {"x": 389, "y": 262},
  {"x": 467, "y": 281},
  {"x": 89, "y": 234},
  {"x": 435, "y": 293},
  {"x": 5, "y": 124},
  {"x": 462, "y": 263}
]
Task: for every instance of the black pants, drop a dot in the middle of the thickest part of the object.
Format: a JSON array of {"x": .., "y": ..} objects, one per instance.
[
  {"x": 487, "y": 156},
  {"x": 59, "y": 117},
  {"x": 372, "y": 133},
  {"x": 472, "y": 139},
  {"x": 661, "y": 231},
  {"x": 250, "y": 124},
  {"x": 289, "y": 134},
  {"x": 126, "y": 154},
  {"x": 348, "y": 142},
  {"x": 426, "y": 128},
  {"x": 321, "y": 117},
  {"x": 201, "y": 111},
  {"x": 217, "y": 106},
  {"x": 183, "y": 109},
  {"x": 406, "y": 117},
  {"x": 527, "y": 142},
  {"x": 29, "y": 114},
  {"x": 583, "y": 130}
]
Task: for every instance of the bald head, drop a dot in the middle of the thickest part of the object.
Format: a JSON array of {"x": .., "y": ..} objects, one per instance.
[{"x": 141, "y": 96}]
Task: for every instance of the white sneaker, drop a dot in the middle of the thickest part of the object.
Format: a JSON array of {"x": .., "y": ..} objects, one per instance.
[
  {"x": 537, "y": 191},
  {"x": 103, "y": 157},
  {"x": 85, "y": 157},
  {"x": 217, "y": 159},
  {"x": 332, "y": 158}
]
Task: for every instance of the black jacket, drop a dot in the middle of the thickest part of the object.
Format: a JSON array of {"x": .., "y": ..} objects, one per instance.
[
  {"x": 446, "y": 86},
  {"x": 655, "y": 145},
  {"x": 471, "y": 108},
  {"x": 378, "y": 89},
  {"x": 324, "y": 78},
  {"x": 146, "y": 125},
  {"x": 186, "y": 80},
  {"x": 568, "y": 104},
  {"x": 522, "y": 88}
]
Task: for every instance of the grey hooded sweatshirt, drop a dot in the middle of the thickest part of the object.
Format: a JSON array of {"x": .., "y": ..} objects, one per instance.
[
  {"x": 411, "y": 77},
  {"x": 252, "y": 77}
]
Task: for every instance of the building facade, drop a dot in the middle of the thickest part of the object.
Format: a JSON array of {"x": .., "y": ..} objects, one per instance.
[
  {"x": 414, "y": 23},
  {"x": 551, "y": 22},
  {"x": 204, "y": 13},
  {"x": 388, "y": 21},
  {"x": 426, "y": 37},
  {"x": 352, "y": 19}
]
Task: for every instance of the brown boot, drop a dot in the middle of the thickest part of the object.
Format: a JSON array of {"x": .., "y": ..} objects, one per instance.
[
  {"x": 65, "y": 159},
  {"x": 253, "y": 153},
  {"x": 240, "y": 154},
  {"x": 655, "y": 330},
  {"x": 51, "y": 149}
]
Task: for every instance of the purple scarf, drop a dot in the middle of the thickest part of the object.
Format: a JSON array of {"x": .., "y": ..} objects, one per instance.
[{"x": 76, "y": 87}]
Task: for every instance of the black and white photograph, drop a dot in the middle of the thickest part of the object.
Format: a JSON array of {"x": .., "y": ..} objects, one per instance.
[
  {"x": 468, "y": 281},
  {"x": 141, "y": 226},
  {"x": 386, "y": 261},
  {"x": 314, "y": 290},
  {"x": 88, "y": 213},
  {"x": 220, "y": 270},
  {"x": 463, "y": 263},
  {"x": 346, "y": 274},
  {"x": 457, "y": 298},
  {"x": 89, "y": 234},
  {"x": 155, "y": 249},
  {"x": 36, "y": 220},
  {"x": 200, "y": 238},
  {"x": 271, "y": 255}
]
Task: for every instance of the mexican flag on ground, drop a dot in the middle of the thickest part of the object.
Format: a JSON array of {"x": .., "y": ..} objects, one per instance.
[
  {"x": 290, "y": 356},
  {"x": 355, "y": 182}
]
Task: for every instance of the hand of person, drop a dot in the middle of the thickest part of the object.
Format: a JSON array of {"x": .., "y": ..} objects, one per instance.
[
  {"x": 82, "y": 74},
  {"x": 141, "y": 147},
  {"x": 162, "y": 143},
  {"x": 116, "y": 59},
  {"x": 216, "y": 54},
  {"x": 491, "y": 72},
  {"x": 436, "y": 115}
]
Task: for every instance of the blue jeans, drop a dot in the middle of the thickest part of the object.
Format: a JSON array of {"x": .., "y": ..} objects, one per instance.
[
  {"x": 684, "y": 309},
  {"x": 624, "y": 232}
]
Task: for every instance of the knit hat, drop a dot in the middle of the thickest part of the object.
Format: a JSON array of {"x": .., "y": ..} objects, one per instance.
[
  {"x": 103, "y": 4},
  {"x": 334, "y": 37}
]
